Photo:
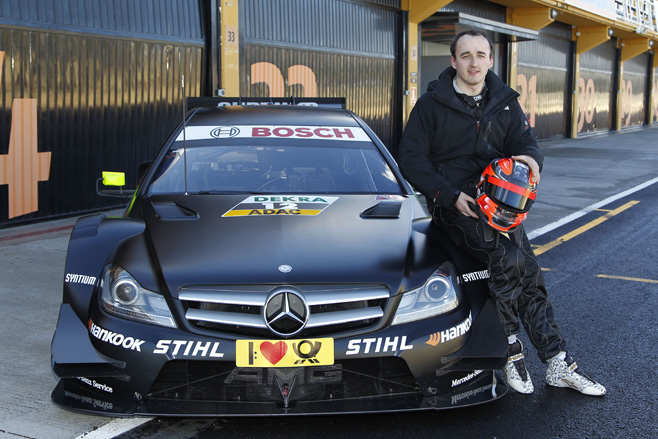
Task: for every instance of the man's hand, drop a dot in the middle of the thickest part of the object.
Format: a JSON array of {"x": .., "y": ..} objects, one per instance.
[
  {"x": 464, "y": 204},
  {"x": 532, "y": 163}
]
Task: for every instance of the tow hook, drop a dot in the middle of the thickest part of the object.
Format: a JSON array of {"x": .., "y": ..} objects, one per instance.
[{"x": 286, "y": 390}]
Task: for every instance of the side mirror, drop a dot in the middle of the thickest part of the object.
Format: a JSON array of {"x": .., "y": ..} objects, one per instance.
[{"x": 113, "y": 179}]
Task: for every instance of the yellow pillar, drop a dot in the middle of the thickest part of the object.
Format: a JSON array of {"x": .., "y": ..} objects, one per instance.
[
  {"x": 419, "y": 10},
  {"x": 513, "y": 63},
  {"x": 513, "y": 67},
  {"x": 413, "y": 79},
  {"x": 230, "y": 48}
]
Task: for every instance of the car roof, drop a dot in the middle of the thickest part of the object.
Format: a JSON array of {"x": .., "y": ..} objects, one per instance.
[{"x": 273, "y": 115}]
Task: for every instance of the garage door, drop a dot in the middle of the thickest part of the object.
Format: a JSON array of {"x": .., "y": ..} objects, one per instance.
[
  {"x": 595, "y": 88},
  {"x": 633, "y": 91},
  {"x": 543, "y": 71},
  {"x": 312, "y": 48}
]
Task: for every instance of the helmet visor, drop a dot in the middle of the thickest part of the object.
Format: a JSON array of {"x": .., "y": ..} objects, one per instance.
[{"x": 510, "y": 198}]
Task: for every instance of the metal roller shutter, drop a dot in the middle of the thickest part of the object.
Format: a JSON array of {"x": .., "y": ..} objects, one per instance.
[
  {"x": 543, "y": 73},
  {"x": 94, "y": 86},
  {"x": 633, "y": 91},
  {"x": 328, "y": 49},
  {"x": 595, "y": 88}
]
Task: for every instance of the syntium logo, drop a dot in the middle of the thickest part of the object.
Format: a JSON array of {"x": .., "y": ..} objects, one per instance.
[{"x": 23, "y": 167}]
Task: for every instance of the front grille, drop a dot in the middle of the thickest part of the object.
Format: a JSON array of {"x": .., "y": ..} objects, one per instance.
[
  {"x": 222, "y": 381},
  {"x": 238, "y": 310}
]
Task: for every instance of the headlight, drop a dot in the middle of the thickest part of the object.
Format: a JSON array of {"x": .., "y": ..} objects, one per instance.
[
  {"x": 123, "y": 296},
  {"x": 437, "y": 296}
]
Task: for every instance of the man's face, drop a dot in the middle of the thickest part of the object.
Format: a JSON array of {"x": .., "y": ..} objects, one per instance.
[{"x": 472, "y": 59}]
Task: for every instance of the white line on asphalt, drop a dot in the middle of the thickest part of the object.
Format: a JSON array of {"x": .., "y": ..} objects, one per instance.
[
  {"x": 574, "y": 216},
  {"x": 114, "y": 428}
]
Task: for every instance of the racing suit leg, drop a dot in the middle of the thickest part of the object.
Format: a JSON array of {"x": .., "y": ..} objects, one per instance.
[
  {"x": 515, "y": 280},
  {"x": 535, "y": 310},
  {"x": 496, "y": 251}
]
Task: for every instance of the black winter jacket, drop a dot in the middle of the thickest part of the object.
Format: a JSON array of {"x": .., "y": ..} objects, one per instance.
[{"x": 445, "y": 148}]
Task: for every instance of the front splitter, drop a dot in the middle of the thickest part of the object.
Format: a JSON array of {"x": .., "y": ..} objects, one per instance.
[{"x": 74, "y": 395}]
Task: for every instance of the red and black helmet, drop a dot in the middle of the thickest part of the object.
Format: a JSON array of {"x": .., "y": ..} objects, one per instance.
[{"x": 505, "y": 193}]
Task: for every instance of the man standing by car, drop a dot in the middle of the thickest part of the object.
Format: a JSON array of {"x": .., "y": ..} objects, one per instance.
[{"x": 468, "y": 118}]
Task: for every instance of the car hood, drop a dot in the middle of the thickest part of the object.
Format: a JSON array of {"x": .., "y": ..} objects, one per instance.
[{"x": 195, "y": 242}]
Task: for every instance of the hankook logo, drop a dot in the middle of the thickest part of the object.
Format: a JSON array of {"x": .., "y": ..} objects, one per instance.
[
  {"x": 221, "y": 132},
  {"x": 285, "y": 312}
]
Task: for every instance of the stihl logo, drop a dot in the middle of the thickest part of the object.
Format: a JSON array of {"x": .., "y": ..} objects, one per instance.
[{"x": 23, "y": 166}]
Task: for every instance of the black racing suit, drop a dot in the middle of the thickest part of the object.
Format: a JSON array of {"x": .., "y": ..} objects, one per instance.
[{"x": 445, "y": 147}]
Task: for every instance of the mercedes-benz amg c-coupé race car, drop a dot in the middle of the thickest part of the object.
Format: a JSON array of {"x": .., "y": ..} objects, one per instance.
[{"x": 272, "y": 261}]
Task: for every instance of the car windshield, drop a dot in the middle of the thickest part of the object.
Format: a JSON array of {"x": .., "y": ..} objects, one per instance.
[{"x": 293, "y": 166}]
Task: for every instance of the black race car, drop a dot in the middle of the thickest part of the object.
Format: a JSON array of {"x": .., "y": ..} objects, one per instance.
[{"x": 272, "y": 261}]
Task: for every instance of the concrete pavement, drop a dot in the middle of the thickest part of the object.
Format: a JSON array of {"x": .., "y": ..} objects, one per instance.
[{"x": 580, "y": 172}]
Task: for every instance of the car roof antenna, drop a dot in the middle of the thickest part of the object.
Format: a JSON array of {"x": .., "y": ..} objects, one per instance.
[{"x": 184, "y": 140}]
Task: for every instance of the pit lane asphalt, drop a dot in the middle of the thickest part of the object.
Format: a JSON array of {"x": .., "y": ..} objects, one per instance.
[{"x": 610, "y": 324}]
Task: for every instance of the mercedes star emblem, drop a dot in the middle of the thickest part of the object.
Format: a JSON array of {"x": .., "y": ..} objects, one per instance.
[{"x": 285, "y": 312}]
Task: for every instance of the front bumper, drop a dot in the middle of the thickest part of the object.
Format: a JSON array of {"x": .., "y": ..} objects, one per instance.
[{"x": 424, "y": 365}]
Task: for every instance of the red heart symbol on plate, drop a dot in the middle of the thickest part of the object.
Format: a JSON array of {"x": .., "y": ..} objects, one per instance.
[{"x": 274, "y": 352}]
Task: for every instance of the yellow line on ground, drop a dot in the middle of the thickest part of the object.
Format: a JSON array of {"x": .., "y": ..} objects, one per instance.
[
  {"x": 566, "y": 237},
  {"x": 635, "y": 279},
  {"x": 546, "y": 269}
]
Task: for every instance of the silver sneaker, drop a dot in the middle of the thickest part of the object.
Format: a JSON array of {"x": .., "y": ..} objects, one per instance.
[
  {"x": 562, "y": 371},
  {"x": 516, "y": 373}
]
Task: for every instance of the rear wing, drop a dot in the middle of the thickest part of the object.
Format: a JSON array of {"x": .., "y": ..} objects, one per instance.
[{"x": 213, "y": 102}]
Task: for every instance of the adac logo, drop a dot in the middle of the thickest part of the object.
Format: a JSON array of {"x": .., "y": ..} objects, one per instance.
[
  {"x": 224, "y": 132},
  {"x": 23, "y": 166}
]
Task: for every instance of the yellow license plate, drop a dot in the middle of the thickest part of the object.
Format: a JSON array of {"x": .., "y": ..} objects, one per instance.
[{"x": 284, "y": 353}]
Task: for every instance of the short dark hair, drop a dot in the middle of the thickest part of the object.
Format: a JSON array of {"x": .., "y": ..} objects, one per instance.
[{"x": 472, "y": 33}]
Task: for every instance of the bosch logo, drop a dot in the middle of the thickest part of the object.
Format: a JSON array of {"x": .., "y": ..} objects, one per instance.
[
  {"x": 224, "y": 132},
  {"x": 285, "y": 312}
]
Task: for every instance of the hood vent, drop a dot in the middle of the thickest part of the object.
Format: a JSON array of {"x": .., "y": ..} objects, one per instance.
[
  {"x": 383, "y": 209},
  {"x": 169, "y": 211}
]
